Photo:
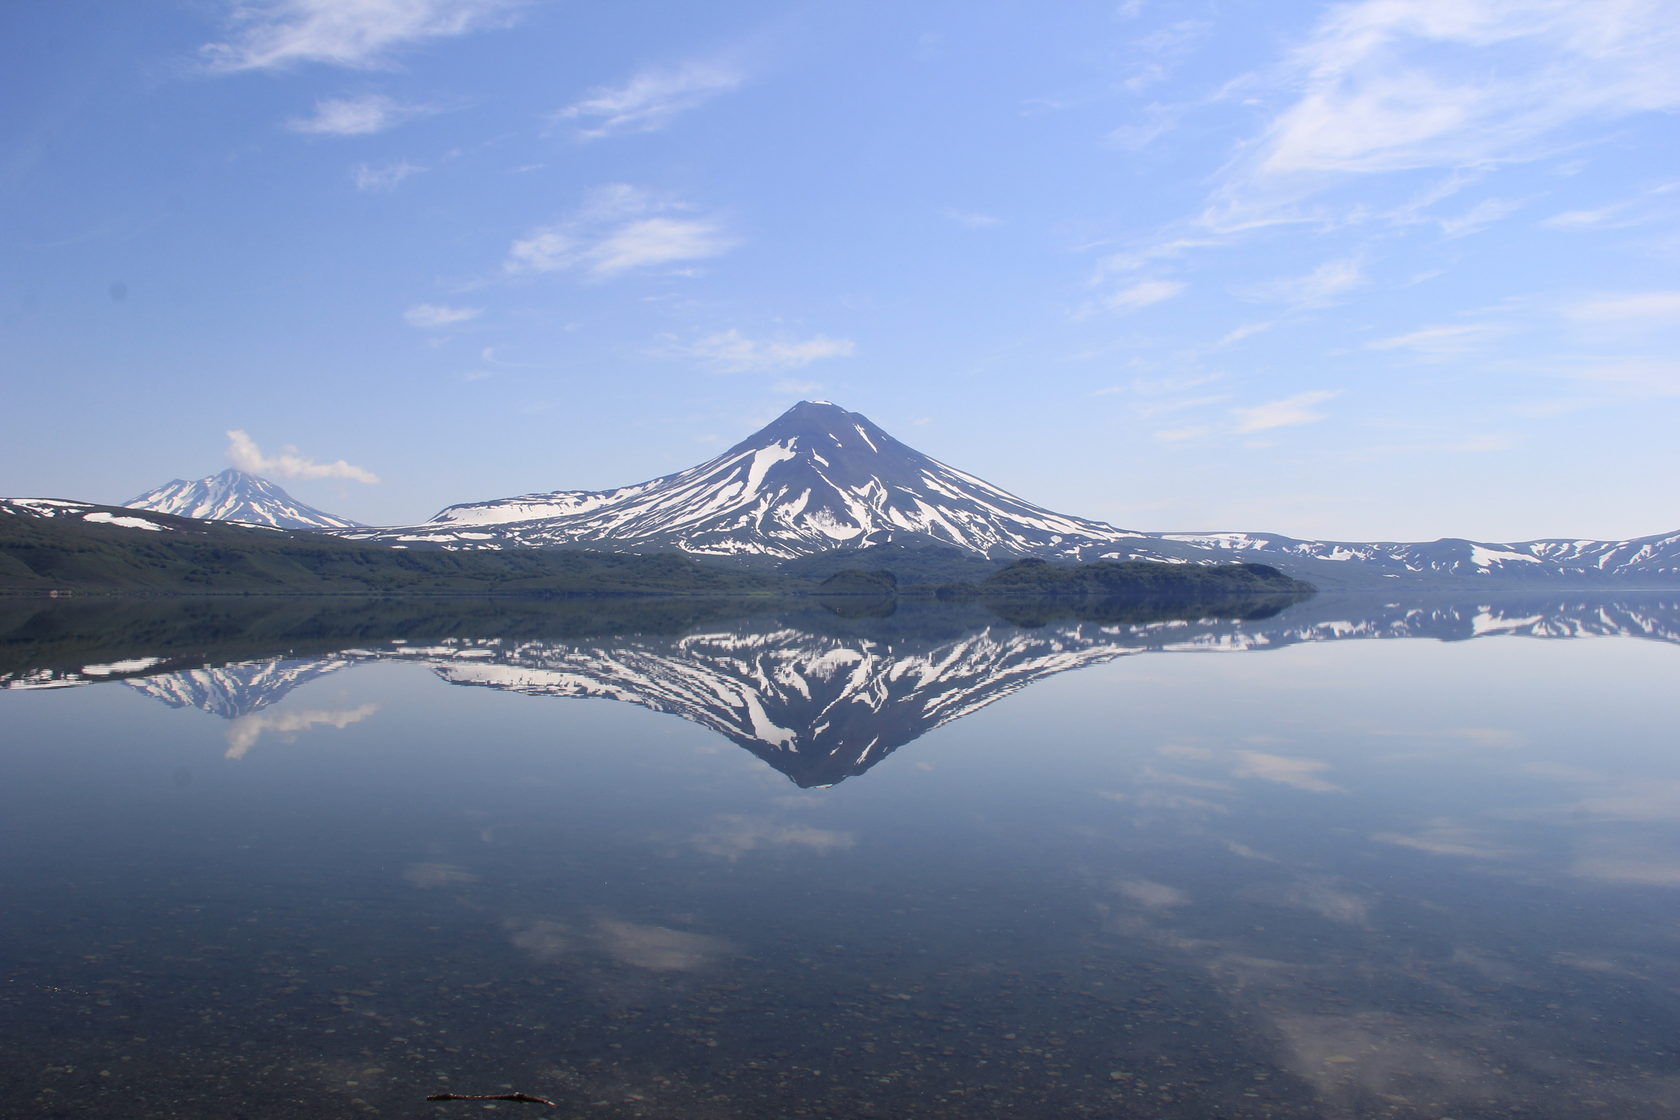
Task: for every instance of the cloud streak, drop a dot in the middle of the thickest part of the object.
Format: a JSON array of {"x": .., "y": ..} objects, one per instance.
[
  {"x": 650, "y": 100},
  {"x": 429, "y": 316},
  {"x": 620, "y": 229},
  {"x": 243, "y": 452},
  {"x": 357, "y": 34},
  {"x": 733, "y": 352},
  {"x": 1388, "y": 86},
  {"x": 1145, "y": 293},
  {"x": 1288, "y": 412},
  {"x": 370, "y": 178},
  {"x": 355, "y": 116}
]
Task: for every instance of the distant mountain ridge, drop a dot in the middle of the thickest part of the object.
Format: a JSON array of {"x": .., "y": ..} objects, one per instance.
[
  {"x": 1655, "y": 558},
  {"x": 235, "y": 495},
  {"x": 821, "y": 489},
  {"x": 820, "y": 478}
]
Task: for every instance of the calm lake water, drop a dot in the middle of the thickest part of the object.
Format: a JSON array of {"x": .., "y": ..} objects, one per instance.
[{"x": 1356, "y": 858}]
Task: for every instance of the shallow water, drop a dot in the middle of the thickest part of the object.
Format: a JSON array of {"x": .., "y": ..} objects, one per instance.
[{"x": 1374, "y": 859}]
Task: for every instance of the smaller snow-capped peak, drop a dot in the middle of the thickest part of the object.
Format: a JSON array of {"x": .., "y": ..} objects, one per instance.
[{"x": 234, "y": 495}]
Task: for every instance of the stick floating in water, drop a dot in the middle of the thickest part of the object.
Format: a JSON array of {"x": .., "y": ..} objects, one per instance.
[{"x": 522, "y": 1098}]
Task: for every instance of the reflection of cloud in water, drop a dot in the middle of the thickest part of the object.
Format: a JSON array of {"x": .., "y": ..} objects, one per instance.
[
  {"x": 1168, "y": 803},
  {"x": 433, "y": 875},
  {"x": 1644, "y": 801},
  {"x": 1150, "y": 894},
  {"x": 657, "y": 947},
  {"x": 1328, "y": 901},
  {"x": 731, "y": 837},
  {"x": 1444, "y": 838},
  {"x": 1298, "y": 772},
  {"x": 244, "y": 732},
  {"x": 1650, "y": 871},
  {"x": 1355, "y": 1061},
  {"x": 639, "y": 945}
]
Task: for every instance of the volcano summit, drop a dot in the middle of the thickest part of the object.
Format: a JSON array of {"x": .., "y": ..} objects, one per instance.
[{"x": 816, "y": 478}]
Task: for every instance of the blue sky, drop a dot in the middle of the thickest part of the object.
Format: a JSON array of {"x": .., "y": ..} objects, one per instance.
[{"x": 1385, "y": 269}]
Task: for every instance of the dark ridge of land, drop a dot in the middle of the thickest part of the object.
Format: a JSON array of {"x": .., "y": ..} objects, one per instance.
[
  {"x": 1040, "y": 579},
  {"x": 189, "y": 557}
]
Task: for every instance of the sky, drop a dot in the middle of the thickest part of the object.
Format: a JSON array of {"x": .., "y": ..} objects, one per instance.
[{"x": 1371, "y": 270}]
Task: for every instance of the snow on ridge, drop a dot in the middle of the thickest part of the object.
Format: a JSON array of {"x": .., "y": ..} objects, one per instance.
[{"x": 104, "y": 517}]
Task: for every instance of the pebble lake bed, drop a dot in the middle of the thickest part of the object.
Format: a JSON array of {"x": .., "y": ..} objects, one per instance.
[{"x": 860, "y": 868}]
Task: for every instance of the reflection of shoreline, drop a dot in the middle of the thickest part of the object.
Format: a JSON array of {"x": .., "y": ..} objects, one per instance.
[{"x": 822, "y": 698}]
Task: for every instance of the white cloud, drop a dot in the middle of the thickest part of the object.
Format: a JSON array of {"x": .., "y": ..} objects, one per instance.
[
  {"x": 732, "y": 352},
  {"x": 650, "y": 99},
  {"x": 1444, "y": 341},
  {"x": 1604, "y": 218},
  {"x": 1143, "y": 294},
  {"x": 973, "y": 219},
  {"x": 1285, "y": 413},
  {"x": 429, "y": 315},
  {"x": 244, "y": 453},
  {"x": 1382, "y": 87},
  {"x": 1654, "y": 307},
  {"x": 653, "y": 241},
  {"x": 355, "y": 116},
  {"x": 1380, "y": 92},
  {"x": 1646, "y": 206},
  {"x": 272, "y": 34},
  {"x": 1627, "y": 377},
  {"x": 1321, "y": 286},
  {"x": 1247, "y": 330},
  {"x": 619, "y": 229},
  {"x": 370, "y": 178},
  {"x": 1180, "y": 435},
  {"x": 1479, "y": 216}
]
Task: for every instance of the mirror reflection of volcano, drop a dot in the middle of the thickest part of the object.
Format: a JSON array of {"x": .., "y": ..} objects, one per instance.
[
  {"x": 821, "y": 707},
  {"x": 817, "y": 708},
  {"x": 822, "y": 698},
  {"x": 233, "y": 691}
]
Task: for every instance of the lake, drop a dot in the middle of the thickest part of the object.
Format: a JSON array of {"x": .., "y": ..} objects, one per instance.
[{"x": 1347, "y": 858}]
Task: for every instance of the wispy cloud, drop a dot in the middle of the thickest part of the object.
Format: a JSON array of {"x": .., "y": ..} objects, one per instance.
[
  {"x": 1444, "y": 341},
  {"x": 243, "y": 452},
  {"x": 1323, "y": 285},
  {"x": 1162, "y": 51},
  {"x": 427, "y": 316},
  {"x": 383, "y": 178},
  {"x": 1386, "y": 86},
  {"x": 733, "y": 352},
  {"x": 355, "y": 116},
  {"x": 620, "y": 229},
  {"x": 650, "y": 100},
  {"x": 973, "y": 219},
  {"x": 1646, "y": 206},
  {"x": 1286, "y": 413},
  {"x": 1145, "y": 293},
  {"x": 1657, "y": 308},
  {"x": 273, "y": 34}
]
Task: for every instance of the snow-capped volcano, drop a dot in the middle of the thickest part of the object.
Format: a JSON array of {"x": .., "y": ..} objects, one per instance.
[
  {"x": 235, "y": 495},
  {"x": 816, "y": 478}
]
